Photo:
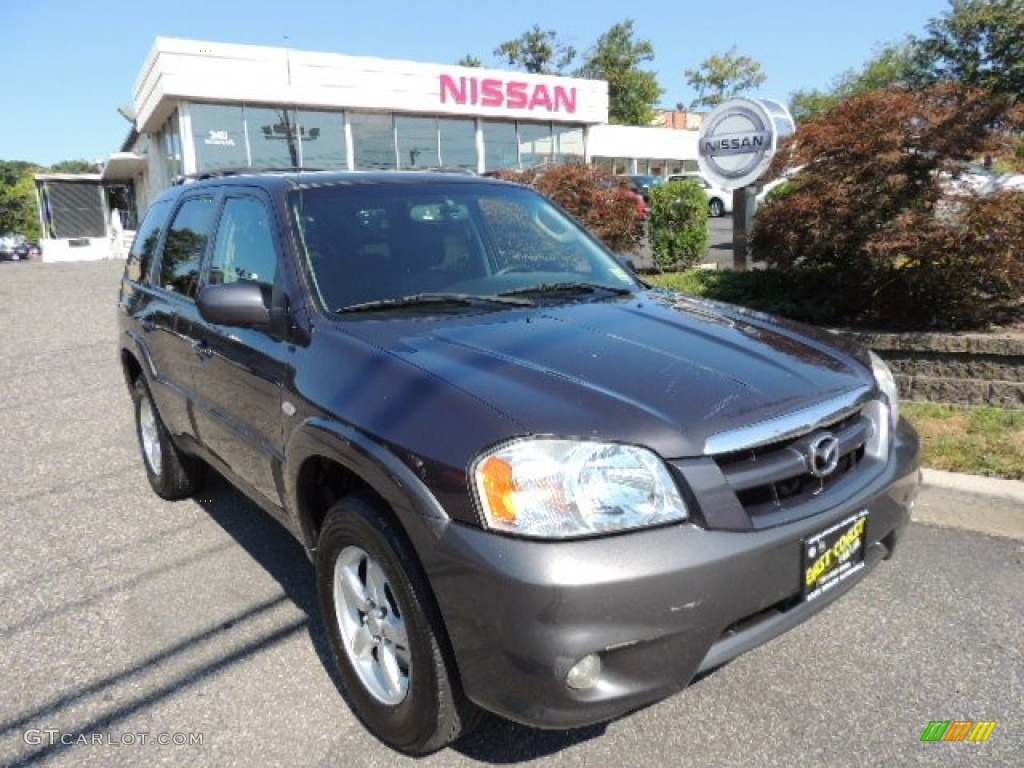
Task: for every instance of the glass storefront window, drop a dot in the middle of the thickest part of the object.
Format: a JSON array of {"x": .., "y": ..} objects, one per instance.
[
  {"x": 458, "y": 143},
  {"x": 171, "y": 141},
  {"x": 322, "y": 135},
  {"x": 273, "y": 137},
  {"x": 568, "y": 142},
  {"x": 219, "y": 134},
  {"x": 417, "y": 142},
  {"x": 501, "y": 147},
  {"x": 373, "y": 139},
  {"x": 534, "y": 144}
]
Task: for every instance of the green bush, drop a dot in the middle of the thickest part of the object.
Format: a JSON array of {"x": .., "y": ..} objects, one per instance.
[
  {"x": 679, "y": 224},
  {"x": 804, "y": 295}
]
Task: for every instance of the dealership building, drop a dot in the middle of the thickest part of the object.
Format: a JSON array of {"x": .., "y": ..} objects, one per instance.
[{"x": 201, "y": 106}]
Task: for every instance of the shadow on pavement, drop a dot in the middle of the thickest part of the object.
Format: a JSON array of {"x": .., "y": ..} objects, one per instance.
[{"x": 497, "y": 740}]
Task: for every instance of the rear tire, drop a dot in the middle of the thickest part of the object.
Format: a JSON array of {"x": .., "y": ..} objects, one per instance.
[
  {"x": 385, "y": 632},
  {"x": 716, "y": 208},
  {"x": 171, "y": 473}
]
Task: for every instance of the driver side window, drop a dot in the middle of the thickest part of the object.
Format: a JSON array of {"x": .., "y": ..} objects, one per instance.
[{"x": 244, "y": 249}]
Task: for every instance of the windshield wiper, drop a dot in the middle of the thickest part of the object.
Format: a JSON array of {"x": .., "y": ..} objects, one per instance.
[
  {"x": 426, "y": 299},
  {"x": 573, "y": 288}
]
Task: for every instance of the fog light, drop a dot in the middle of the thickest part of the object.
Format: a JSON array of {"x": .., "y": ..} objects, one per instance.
[{"x": 584, "y": 673}]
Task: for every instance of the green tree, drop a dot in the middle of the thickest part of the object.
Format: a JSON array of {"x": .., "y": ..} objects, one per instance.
[
  {"x": 18, "y": 210},
  {"x": 537, "y": 50},
  {"x": 894, "y": 64},
  {"x": 616, "y": 58},
  {"x": 719, "y": 78},
  {"x": 978, "y": 43},
  {"x": 469, "y": 60},
  {"x": 75, "y": 166}
]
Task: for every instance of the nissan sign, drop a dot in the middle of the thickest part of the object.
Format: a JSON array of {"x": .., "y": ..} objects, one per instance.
[{"x": 738, "y": 139}]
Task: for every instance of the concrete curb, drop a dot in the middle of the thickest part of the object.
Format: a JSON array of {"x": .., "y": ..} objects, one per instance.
[
  {"x": 981, "y": 504},
  {"x": 1012, "y": 490}
]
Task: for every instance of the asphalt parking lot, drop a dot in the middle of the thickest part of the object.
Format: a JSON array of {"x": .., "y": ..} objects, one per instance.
[{"x": 126, "y": 620}]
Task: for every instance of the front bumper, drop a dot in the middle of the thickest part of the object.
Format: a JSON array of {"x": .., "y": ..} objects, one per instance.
[{"x": 657, "y": 606}]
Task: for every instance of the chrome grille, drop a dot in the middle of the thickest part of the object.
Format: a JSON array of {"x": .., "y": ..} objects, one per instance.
[{"x": 779, "y": 475}]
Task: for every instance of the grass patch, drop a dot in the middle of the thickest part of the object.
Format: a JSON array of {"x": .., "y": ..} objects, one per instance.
[
  {"x": 688, "y": 281},
  {"x": 978, "y": 440}
]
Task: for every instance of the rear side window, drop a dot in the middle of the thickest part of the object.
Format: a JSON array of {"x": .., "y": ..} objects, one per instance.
[
  {"x": 143, "y": 249},
  {"x": 186, "y": 241}
]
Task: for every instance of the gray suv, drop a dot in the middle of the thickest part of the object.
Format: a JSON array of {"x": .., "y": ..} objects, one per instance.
[{"x": 530, "y": 484}]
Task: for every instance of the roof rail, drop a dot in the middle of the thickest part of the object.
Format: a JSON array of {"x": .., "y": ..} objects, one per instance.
[{"x": 238, "y": 171}]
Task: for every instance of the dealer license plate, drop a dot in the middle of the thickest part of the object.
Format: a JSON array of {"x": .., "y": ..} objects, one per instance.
[{"x": 834, "y": 555}]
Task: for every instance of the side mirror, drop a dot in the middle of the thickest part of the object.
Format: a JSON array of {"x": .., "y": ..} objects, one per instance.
[{"x": 238, "y": 304}]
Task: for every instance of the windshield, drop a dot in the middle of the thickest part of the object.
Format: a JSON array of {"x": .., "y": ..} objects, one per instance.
[{"x": 370, "y": 244}]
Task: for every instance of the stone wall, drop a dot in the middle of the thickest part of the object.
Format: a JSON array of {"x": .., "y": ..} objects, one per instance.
[{"x": 966, "y": 369}]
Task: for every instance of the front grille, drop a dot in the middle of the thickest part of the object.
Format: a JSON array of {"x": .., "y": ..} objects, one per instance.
[{"x": 779, "y": 476}]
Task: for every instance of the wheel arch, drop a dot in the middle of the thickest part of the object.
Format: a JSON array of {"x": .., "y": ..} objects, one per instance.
[
  {"x": 326, "y": 460},
  {"x": 135, "y": 358},
  {"x": 131, "y": 368}
]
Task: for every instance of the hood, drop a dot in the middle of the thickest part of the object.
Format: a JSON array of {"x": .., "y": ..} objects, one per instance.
[{"x": 658, "y": 369}]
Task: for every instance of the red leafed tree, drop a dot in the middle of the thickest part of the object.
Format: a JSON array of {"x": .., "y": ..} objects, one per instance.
[
  {"x": 876, "y": 217},
  {"x": 599, "y": 200}
]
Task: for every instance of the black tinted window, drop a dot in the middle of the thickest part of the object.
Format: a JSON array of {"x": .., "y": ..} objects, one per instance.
[
  {"x": 372, "y": 242},
  {"x": 146, "y": 239},
  {"x": 186, "y": 241},
  {"x": 244, "y": 249}
]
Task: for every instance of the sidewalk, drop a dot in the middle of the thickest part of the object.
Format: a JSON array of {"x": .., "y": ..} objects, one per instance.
[{"x": 982, "y": 504}]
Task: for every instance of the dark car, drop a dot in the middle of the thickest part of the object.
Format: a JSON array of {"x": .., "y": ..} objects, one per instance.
[
  {"x": 26, "y": 251},
  {"x": 641, "y": 183},
  {"x": 529, "y": 483},
  {"x": 9, "y": 245}
]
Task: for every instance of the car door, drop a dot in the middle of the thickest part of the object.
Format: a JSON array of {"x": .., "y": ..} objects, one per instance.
[
  {"x": 171, "y": 311},
  {"x": 241, "y": 370}
]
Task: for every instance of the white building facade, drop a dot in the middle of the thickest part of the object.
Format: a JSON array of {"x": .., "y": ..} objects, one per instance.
[
  {"x": 204, "y": 106},
  {"x": 200, "y": 107}
]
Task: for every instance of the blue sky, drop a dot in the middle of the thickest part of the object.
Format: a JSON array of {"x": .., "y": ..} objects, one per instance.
[{"x": 66, "y": 65}]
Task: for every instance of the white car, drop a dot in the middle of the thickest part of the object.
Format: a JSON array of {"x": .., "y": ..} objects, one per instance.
[
  {"x": 719, "y": 199},
  {"x": 1004, "y": 183}
]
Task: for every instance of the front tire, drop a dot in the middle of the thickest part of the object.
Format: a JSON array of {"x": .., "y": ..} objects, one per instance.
[
  {"x": 171, "y": 473},
  {"x": 716, "y": 207},
  {"x": 385, "y": 632}
]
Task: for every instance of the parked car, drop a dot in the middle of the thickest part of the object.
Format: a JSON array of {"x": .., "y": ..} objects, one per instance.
[
  {"x": 26, "y": 251},
  {"x": 719, "y": 199},
  {"x": 642, "y": 183},
  {"x": 529, "y": 483},
  {"x": 1004, "y": 183},
  {"x": 630, "y": 190},
  {"x": 9, "y": 247}
]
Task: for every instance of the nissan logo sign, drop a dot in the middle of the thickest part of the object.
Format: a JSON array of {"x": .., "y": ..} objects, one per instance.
[{"x": 738, "y": 139}]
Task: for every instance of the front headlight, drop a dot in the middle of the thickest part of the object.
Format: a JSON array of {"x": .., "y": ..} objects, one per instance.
[
  {"x": 886, "y": 383},
  {"x": 560, "y": 489}
]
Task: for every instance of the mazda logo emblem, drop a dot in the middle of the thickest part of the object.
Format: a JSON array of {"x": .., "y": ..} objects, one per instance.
[{"x": 823, "y": 456}]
